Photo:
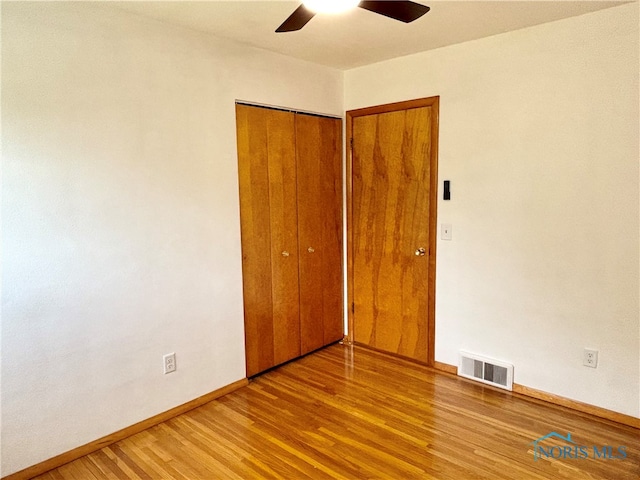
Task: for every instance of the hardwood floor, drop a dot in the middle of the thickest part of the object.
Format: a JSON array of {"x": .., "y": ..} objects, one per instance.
[{"x": 352, "y": 413}]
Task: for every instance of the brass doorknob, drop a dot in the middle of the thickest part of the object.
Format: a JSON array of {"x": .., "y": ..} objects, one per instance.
[
  {"x": 285, "y": 253},
  {"x": 421, "y": 252},
  {"x": 311, "y": 249}
]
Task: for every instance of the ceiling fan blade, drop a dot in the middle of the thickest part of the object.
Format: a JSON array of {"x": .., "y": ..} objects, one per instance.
[
  {"x": 296, "y": 20},
  {"x": 404, "y": 11}
]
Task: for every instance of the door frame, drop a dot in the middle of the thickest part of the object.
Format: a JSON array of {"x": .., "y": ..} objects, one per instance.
[{"x": 433, "y": 102}]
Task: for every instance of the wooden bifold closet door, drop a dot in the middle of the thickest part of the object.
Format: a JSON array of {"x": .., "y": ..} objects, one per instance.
[{"x": 290, "y": 175}]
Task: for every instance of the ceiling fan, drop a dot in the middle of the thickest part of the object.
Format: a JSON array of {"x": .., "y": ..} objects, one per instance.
[{"x": 404, "y": 11}]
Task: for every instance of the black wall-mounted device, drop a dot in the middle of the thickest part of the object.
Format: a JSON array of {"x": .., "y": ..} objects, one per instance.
[{"x": 447, "y": 193}]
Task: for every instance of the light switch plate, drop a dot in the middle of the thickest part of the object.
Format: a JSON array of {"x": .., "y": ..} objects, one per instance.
[{"x": 446, "y": 232}]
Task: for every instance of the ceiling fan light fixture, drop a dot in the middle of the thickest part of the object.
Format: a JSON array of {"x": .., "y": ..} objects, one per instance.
[
  {"x": 330, "y": 6},
  {"x": 402, "y": 10}
]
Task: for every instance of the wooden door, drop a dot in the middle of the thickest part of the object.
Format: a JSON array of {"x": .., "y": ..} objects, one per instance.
[
  {"x": 393, "y": 211},
  {"x": 267, "y": 177},
  {"x": 319, "y": 175}
]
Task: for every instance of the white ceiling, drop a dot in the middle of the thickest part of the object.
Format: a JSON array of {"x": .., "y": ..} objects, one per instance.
[{"x": 358, "y": 37}]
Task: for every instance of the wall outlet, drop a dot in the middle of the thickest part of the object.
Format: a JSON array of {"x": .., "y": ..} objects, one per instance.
[
  {"x": 590, "y": 358},
  {"x": 169, "y": 361}
]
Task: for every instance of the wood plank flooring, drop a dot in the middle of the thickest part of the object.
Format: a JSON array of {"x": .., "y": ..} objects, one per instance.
[{"x": 351, "y": 413}]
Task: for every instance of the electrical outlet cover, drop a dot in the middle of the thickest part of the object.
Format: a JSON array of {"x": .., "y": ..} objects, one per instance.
[
  {"x": 169, "y": 362},
  {"x": 590, "y": 358}
]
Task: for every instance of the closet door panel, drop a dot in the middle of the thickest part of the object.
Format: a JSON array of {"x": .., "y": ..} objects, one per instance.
[
  {"x": 284, "y": 236},
  {"x": 332, "y": 233},
  {"x": 253, "y": 175},
  {"x": 319, "y": 165}
]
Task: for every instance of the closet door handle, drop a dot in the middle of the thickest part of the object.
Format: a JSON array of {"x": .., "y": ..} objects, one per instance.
[
  {"x": 285, "y": 253},
  {"x": 311, "y": 249},
  {"x": 421, "y": 252}
]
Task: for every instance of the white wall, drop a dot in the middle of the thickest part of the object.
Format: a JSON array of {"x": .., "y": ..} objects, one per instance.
[
  {"x": 120, "y": 215},
  {"x": 539, "y": 137},
  {"x": 121, "y": 236}
]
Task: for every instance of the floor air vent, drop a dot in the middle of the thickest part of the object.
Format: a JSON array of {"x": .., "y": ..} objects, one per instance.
[{"x": 486, "y": 370}]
